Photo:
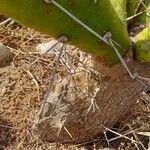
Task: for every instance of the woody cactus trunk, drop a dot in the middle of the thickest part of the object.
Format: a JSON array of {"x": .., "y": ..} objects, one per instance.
[{"x": 120, "y": 91}]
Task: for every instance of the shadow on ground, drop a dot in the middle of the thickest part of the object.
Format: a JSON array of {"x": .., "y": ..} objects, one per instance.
[{"x": 6, "y": 134}]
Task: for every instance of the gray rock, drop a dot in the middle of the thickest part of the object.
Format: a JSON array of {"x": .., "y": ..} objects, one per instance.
[{"x": 6, "y": 56}]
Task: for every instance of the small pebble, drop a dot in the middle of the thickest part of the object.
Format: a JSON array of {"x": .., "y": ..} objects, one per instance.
[{"x": 6, "y": 56}]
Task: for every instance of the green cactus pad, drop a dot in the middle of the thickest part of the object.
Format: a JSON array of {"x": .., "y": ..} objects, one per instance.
[{"x": 49, "y": 19}]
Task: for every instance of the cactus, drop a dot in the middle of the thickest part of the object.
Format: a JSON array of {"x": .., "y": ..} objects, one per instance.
[
  {"x": 120, "y": 92},
  {"x": 120, "y": 7},
  {"x": 99, "y": 16},
  {"x": 132, "y": 7},
  {"x": 142, "y": 44}
]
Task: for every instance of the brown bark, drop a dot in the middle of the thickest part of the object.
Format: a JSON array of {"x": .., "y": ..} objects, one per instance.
[{"x": 117, "y": 96}]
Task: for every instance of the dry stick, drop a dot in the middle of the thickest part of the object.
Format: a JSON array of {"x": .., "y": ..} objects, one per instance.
[
  {"x": 139, "y": 78},
  {"x": 15, "y": 50},
  {"x": 107, "y": 129},
  {"x": 136, "y": 138},
  {"x": 143, "y": 78},
  {"x": 35, "y": 81},
  {"x": 5, "y": 21},
  {"x": 29, "y": 39},
  {"x": 9, "y": 127},
  {"x": 93, "y": 104},
  {"x": 141, "y": 1},
  {"x": 51, "y": 80},
  {"x": 60, "y": 126},
  {"x": 62, "y": 60},
  {"x": 118, "y": 137},
  {"x": 68, "y": 132},
  {"x": 108, "y": 142},
  {"x": 84, "y": 65},
  {"x": 146, "y": 8},
  {"x": 46, "y": 118},
  {"x": 11, "y": 23},
  {"x": 129, "y": 18},
  {"x": 24, "y": 53}
]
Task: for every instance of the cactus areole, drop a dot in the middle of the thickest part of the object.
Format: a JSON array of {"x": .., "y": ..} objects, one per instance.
[{"x": 100, "y": 17}]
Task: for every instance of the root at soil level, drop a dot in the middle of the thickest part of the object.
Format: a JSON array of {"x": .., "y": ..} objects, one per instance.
[{"x": 76, "y": 123}]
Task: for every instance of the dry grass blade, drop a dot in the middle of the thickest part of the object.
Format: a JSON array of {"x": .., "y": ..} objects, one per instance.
[
  {"x": 107, "y": 140},
  {"x": 5, "y": 21},
  {"x": 9, "y": 24},
  {"x": 122, "y": 136},
  {"x": 35, "y": 81},
  {"x": 141, "y": 1},
  {"x": 144, "y": 133},
  {"x": 9, "y": 127},
  {"x": 129, "y": 18},
  {"x": 137, "y": 139}
]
